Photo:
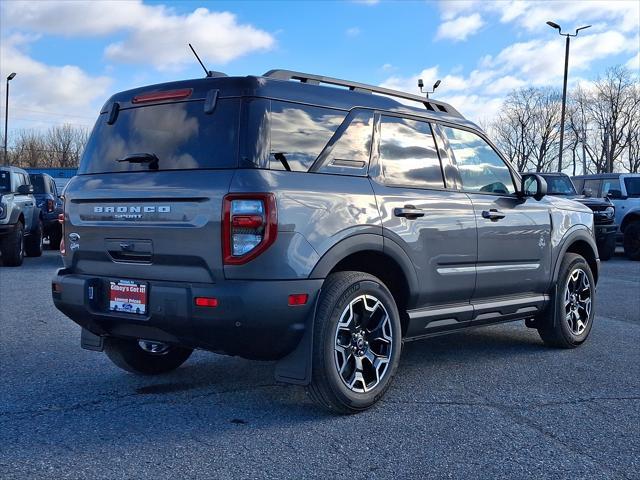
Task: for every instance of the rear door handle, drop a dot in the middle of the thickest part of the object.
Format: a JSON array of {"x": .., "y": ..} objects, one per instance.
[
  {"x": 408, "y": 211},
  {"x": 492, "y": 214}
]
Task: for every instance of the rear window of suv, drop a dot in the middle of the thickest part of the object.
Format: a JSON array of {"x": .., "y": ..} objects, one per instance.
[
  {"x": 5, "y": 182},
  {"x": 180, "y": 134}
]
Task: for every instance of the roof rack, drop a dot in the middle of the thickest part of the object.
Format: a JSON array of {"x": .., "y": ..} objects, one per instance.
[{"x": 434, "y": 106}]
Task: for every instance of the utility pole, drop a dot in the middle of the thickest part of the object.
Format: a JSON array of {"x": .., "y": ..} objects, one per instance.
[
  {"x": 6, "y": 118},
  {"x": 564, "y": 87}
]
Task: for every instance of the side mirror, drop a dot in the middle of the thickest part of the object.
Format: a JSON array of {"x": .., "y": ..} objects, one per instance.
[
  {"x": 587, "y": 192},
  {"x": 615, "y": 194},
  {"x": 25, "y": 189},
  {"x": 533, "y": 185}
]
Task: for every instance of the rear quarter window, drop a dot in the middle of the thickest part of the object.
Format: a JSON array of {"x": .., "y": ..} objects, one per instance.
[
  {"x": 180, "y": 134},
  {"x": 299, "y": 133}
]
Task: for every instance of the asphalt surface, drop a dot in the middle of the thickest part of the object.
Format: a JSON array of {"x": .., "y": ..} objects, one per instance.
[{"x": 491, "y": 403}]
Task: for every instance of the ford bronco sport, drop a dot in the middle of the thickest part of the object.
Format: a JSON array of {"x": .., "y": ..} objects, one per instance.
[
  {"x": 315, "y": 221},
  {"x": 20, "y": 218}
]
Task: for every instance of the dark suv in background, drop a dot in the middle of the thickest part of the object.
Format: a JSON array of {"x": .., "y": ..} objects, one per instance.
[
  {"x": 45, "y": 192},
  {"x": 623, "y": 189},
  {"x": 603, "y": 211},
  {"x": 310, "y": 220}
]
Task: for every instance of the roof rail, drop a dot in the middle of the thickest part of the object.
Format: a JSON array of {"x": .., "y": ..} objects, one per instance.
[{"x": 435, "y": 106}]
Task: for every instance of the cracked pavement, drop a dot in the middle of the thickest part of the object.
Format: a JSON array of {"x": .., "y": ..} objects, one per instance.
[{"x": 489, "y": 403}]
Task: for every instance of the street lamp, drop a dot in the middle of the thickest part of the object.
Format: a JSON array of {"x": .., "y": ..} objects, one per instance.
[
  {"x": 421, "y": 86},
  {"x": 6, "y": 118},
  {"x": 564, "y": 88}
]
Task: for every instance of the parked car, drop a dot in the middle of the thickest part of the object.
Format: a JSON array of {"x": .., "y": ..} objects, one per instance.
[
  {"x": 20, "y": 219},
  {"x": 603, "y": 211},
  {"x": 45, "y": 192},
  {"x": 310, "y": 220},
  {"x": 624, "y": 191}
]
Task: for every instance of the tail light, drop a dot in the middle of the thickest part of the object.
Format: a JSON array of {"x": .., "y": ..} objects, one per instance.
[
  {"x": 249, "y": 226},
  {"x": 63, "y": 250},
  {"x": 50, "y": 205}
]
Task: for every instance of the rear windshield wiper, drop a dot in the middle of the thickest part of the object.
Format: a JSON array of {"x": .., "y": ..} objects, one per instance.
[{"x": 150, "y": 158}]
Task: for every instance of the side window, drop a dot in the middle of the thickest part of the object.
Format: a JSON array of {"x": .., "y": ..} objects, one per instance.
[
  {"x": 299, "y": 133},
  {"x": 610, "y": 184},
  {"x": 480, "y": 167},
  {"x": 52, "y": 188},
  {"x": 408, "y": 154},
  {"x": 579, "y": 184},
  {"x": 349, "y": 150},
  {"x": 593, "y": 184}
]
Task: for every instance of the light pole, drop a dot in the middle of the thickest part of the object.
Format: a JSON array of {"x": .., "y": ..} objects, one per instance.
[
  {"x": 564, "y": 88},
  {"x": 6, "y": 118}
]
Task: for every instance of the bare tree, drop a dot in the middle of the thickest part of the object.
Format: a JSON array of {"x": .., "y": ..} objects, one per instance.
[{"x": 65, "y": 144}]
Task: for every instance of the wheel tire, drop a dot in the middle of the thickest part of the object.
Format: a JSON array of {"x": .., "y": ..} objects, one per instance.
[
  {"x": 12, "y": 247},
  {"x": 608, "y": 248},
  {"x": 632, "y": 241},
  {"x": 344, "y": 292},
  {"x": 565, "y": 331},
  {"x": 33, "y": 243},
  {"x": 130, "y": 356},
  {"x": 55, "y": 237}
]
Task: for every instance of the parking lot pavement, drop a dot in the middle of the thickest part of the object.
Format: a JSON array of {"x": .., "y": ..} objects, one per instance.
[{"x": 490, "y": 403}]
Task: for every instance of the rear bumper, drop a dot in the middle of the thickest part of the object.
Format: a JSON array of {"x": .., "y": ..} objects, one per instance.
[{"x": 252, "y": 319}]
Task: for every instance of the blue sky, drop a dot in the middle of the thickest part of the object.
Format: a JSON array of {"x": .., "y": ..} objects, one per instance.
[{"x": 70, "y": 56}]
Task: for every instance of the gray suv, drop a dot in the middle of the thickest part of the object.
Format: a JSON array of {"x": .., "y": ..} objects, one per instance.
[
  {"x": 310, "y": 220},
  {"x": 20, "y": 218}
]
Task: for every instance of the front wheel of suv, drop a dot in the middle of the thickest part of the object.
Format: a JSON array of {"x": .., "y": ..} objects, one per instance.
[
  {"x": 356, "y": 343},
  {"x": 144, "y": 357},
  {"x": 574, "y": 302},
  {"x": 632, "y": 241}
]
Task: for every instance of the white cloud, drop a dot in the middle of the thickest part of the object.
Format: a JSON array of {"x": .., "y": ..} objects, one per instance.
[
  {"x": 459, "y": 28},
  {"x": 66, "y": 93},
  {"x": 153, "y": 34},
  {"x": 352, "y": 32},
  {"x": 634, "y": 64},
  {"x": 217, "y": 36}
]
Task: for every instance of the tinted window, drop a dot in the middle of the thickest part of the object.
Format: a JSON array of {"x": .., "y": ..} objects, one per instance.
[
  {"x": 480, "y": 167},
  {"x": 408, "y": 153},
  {"x": 5, "y": 181},
  {"x": 349, "y": 152},
  {"x": 180, "y": 134},
  {"x": 559, "y": 185},
  {"x": 299, "y": 133},
  {"x": 633, "y": 186},
  {"x": 52, "y": 187},
  {"x": 593, "y": 185},
  {"x": 610, "y": 184},
  {"x": 579, "y": 184},
  {"x": 38, "y": 184}
]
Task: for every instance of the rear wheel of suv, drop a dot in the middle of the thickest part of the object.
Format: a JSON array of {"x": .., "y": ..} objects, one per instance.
[
  {"x": 356, "y": 342},
  {"x": 12, "y": 247},
  {"x": 632, "y": 241},
  {"x": 145, "y": 357},
  {"x": 33, "y": 243},
  {"x": 574, "y": 310},
  {"x": 55, "y": 237}
]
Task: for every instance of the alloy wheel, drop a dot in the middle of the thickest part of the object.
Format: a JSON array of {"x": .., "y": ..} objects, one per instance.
[
  {"x": 577, "y": 301},
  {"x": 363, "y": 344}
]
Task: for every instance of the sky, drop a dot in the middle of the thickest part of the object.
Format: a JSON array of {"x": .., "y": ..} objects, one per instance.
[{"x": 70, "y": 56}]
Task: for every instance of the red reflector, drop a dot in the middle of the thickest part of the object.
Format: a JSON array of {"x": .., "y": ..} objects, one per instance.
[
  {"x": 56, "y": 287},
  {"x": 247, "y": 221},
  {"x": 206, "y": 302},
  {"x": 298, "y": 299},
  {"x": 166, "y": 95},
  {"x": 61, "y": 218},
  {"x": 49, "y": 205}
]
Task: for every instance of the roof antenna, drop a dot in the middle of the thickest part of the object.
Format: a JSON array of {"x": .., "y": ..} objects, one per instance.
[{"x": 209, "y": 73}]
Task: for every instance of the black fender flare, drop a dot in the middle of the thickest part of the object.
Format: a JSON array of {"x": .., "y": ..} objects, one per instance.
[
  {"x": 296, "y": 367},
  {"x": 569, "y": 239}
]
